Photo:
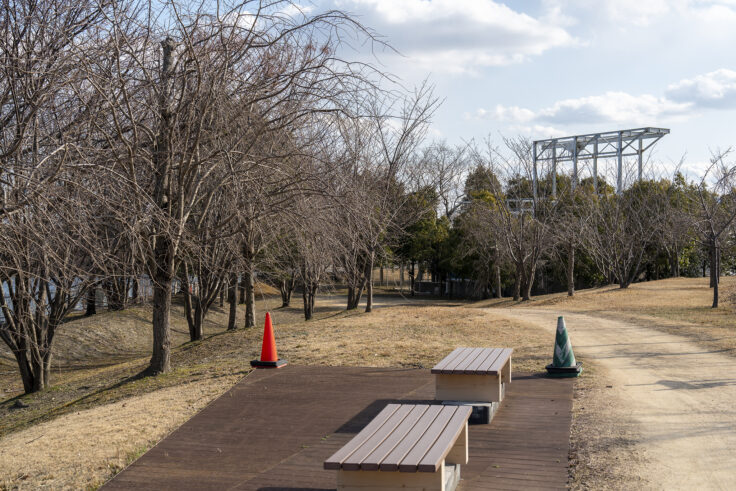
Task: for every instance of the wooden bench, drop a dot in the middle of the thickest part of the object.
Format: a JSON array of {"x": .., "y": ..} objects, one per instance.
[
  {"x": 475, "y": 376},
  {"x": 406, "y": 446}
]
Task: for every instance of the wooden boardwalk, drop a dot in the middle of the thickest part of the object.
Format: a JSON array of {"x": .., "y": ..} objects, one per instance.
[{"x": 273, "y": 430}]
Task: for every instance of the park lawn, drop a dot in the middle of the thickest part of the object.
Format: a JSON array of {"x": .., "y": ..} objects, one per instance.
[{"x": 100, "y": 414}]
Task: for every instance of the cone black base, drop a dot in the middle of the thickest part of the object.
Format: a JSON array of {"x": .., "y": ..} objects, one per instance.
[
  {"x": 268, "y": 364},
  {"x": 560, "y": 372}
]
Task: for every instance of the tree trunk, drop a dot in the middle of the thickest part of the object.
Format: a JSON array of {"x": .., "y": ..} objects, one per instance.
[
  {"x": 369, "y": 283},
  {"x": 187, "y": 290},
  {"x": 26, "y": 372},
  {"x": 163, "y": 251},
  {"x": 162, "y": 283},
  {"x": 198, "y": 320},
  {"x": 380, "y": 275},
  {"x": 401, "y": 277},
  {"x": 222, "y": 295},
  {"x": 308, "y": 298},
  {"x": 351, "y": 298},
  {"x": 713, "y": 262},
  {"x": 675, "y": 263},
  {"x": 529, "y": 282},
  {"x": 497, "y": 269},
  {"x": 355, "y": 295},
  {"x": 714, "y": 270},
  {"x": 135, "y": 294},
  {"x": 411, "y": 276},
  {"x": 570, "y": 270},
  {"x": 232, "y": 300},
  {"x": 250, "y": 299},
  {"x": 517, "y": 284},
  {"x": 91, "y": 301},
  {"x": 287, "y": 287}
]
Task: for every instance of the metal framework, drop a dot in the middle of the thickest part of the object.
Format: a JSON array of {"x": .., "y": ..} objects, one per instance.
[{"x": 619, "y": 144}]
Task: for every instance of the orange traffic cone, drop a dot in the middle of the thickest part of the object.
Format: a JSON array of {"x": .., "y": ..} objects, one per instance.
[{"x": 269, "y": 358}]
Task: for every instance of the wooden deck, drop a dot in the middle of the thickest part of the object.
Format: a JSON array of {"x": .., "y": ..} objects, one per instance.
[{"x": 274, "y": 429}]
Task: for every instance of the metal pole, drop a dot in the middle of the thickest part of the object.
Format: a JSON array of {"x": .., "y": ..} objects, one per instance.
[
  {"x": 595, "y": 165},
  {"x": 620, "y": 171},
  {"x": 575, "y": 163},
  {"x": 554, "y": 169},
  {"x": 640, "y": 157}
]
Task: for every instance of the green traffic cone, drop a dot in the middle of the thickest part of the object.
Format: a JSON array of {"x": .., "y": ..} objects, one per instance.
[{"x": 563, "y": 360}]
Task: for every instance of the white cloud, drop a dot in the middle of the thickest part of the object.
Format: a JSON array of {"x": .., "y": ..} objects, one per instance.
[
  {"x": 612, "y": 107},
  {"x": 715, "y": 89},
  {"x": 459, "y": 36}
]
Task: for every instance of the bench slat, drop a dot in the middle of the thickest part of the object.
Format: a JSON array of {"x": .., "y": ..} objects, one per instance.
[
  {"x": 410, "y": 462},
  {"x": 338, "y": 457},
  {"x": 467, "y": 352},
  {"x": 433, "y": 459},
  {"x": 482, "y": 359},
  {"x": 392, "y": 460},
  {"x": 474, "y": 354},
  {"x": 497, "y": 365},
  {"x": 353, "y": 462},
  {"x": 488, "y": 362},
  {"x": 373, "y": 461},
  {"x": 447, "y": 360}
]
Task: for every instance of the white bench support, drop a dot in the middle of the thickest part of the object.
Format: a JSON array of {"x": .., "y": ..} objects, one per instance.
[
  {"x": 445, "y": 479},
  {"x": 485, "y": 388}
]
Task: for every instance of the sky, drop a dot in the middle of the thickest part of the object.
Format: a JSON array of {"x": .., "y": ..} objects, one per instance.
[{"x": 548, "y": 68}]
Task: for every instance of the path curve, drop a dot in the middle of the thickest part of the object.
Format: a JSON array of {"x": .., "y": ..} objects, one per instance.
[{"x": 682, "y": 395}]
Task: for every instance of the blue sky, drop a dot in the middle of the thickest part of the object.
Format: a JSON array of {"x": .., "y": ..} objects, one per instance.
[{"x": 546, "y": 68}]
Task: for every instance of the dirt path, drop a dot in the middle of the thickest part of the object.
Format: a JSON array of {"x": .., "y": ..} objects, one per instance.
[{"x": 682, "y": 397}]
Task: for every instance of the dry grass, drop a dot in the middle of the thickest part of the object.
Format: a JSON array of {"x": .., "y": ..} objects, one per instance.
[
  {"x": 679, "y": 306},
  {"x": 131, "y": 412},
  {"x": 603, "y": 453},
  {"x": 81, "y": 450}
]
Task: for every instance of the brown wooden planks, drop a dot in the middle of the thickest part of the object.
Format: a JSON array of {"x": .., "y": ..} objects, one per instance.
[
  {"x": 498, "y": 363},
  {"x": 427, "y": 446},
  {"x": 448, "y": 360},
  {"x": 410, "y": 462},
  {"x": 434, "y": 456},
  {"x": 474, "y": 361},
  {"x": 392, "y": 460},
  {"x": 345, "y": 452},
  {"x": 402, "y": 434},
  {"x": 366, "y": 447},
  {"x": 273, "y": 430},
  {"x": 489, "y": 355}
]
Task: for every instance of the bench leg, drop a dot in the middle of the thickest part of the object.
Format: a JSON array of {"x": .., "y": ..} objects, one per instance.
[
  {"x": 459, "y": 451},
  {"x": 506, "y": 372},
  {"x": 392, "y": 481}
]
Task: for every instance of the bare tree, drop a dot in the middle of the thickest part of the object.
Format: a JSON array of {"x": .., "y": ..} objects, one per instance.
[
  {"x": 190, "y": 91},
  {"x": 717, "y": 211},
  {"x": 620, "y": 228},
  {"x": 46, "y": 256},
  {"x": 382, "y": 169}
]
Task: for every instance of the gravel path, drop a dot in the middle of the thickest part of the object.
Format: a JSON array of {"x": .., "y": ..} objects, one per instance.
[{"x": 682, "y": 396}]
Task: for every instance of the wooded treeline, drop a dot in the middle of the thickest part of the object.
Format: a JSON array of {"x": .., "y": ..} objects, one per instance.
[{"x": 213, "y": 145}]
